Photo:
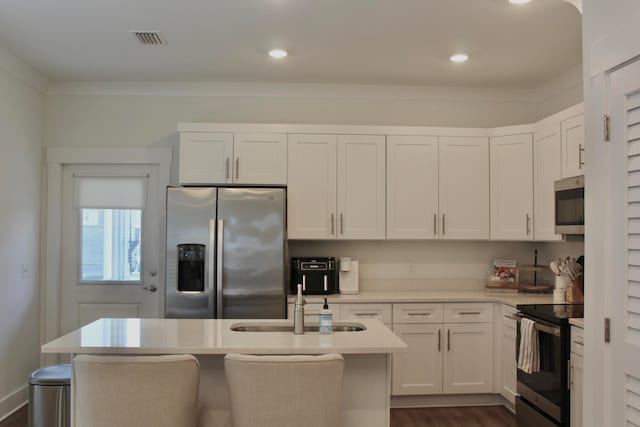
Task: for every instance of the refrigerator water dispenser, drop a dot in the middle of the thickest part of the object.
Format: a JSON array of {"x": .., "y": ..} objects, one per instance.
[{"x": 191, "y": 267}]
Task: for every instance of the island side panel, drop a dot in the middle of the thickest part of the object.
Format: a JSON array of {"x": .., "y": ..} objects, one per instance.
[{"x": 366, "y": 391}]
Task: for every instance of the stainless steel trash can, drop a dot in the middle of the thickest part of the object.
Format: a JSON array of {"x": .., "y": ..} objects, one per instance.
[{"x": 49, "y": 396}]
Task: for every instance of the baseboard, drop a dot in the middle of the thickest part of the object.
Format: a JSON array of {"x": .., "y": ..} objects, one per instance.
[
  {"x": 445, "y": 400},
  {"x": 14, "y": 401}
]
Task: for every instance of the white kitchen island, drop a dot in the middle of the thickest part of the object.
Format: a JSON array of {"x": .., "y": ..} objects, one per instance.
[{"x": 367, "y": 354}]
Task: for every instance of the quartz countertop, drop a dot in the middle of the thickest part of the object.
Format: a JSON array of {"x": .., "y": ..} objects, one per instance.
[
  {"x": 512, "y": 299},
  {"x": 209, "y": 336},
  {"x": 579, "y": 322}
]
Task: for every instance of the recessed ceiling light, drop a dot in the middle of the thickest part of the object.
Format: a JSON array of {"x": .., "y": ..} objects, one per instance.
[
  {"x": 277, "y": 53},
  {"x": 459, "y": 57},
  {"x": 519, "y": 1}
]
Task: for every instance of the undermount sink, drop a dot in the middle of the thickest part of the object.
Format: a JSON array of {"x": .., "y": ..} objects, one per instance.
[{"x": 259, "y": 327}]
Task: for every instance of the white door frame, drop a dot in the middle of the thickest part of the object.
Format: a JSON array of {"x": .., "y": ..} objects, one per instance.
[
  {"x": 606, "y": 55},
  {"x": 56, "y": 159}
]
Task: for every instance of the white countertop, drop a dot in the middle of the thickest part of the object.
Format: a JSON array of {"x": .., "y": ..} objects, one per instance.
[
  {"x": 579, "y": 322},
  {"x": 512, "y": 299},
  {"x": 208, "y": 336}
]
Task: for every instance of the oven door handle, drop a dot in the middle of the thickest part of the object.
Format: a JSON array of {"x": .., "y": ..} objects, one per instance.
[{"x": 553, "y": 330}]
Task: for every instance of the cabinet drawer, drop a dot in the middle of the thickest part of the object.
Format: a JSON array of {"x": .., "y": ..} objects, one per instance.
[
  {"x": 418, "y": 313},
  {"x": 468, "y": 313},
  {"x": 507, "y": 317},
  {"x": 381, "y": 312},
  {"x": 577, "y": 340}
]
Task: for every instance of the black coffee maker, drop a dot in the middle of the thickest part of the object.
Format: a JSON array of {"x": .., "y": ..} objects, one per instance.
[{"x": 318, "y": 276}]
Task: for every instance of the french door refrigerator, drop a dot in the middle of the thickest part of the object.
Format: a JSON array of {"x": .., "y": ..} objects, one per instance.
[{"x": 226, "y": 253}]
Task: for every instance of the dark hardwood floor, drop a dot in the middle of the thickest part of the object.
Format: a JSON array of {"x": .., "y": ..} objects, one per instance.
[
  {"x": 474, "y": 416},
  {"x": 17, "y": 419}
]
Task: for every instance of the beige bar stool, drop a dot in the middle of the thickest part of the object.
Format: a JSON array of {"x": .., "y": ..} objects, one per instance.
[
  {"x": 284, "y": 391},
  {"x": 132, "y": 391}
]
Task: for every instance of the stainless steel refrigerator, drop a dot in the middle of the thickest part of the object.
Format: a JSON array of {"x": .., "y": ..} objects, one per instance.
[{"x": 226, "y": 253}]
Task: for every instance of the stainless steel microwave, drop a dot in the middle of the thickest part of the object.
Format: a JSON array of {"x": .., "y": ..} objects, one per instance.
[{"x": 570, "y": 205}]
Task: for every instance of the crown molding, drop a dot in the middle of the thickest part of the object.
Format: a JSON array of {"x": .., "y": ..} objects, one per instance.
[
  {"x": 291, "y": 90},
  {"x": 20, "y": 70}
]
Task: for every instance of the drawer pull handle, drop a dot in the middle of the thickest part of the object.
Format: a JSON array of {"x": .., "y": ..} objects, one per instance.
[
  {"x": 464, "y": 313},
  {"x": 418, "y": 314},
  {"x": 365, "y": 314},
  {"x": 508, "y": 317},
  {"x": 580, "y": 343}
]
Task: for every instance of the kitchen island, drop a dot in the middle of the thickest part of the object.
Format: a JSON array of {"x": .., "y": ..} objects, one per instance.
[{"x": 367, "y": 354}]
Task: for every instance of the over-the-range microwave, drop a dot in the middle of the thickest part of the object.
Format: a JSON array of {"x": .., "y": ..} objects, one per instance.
[{"x": 570, "y": 205}]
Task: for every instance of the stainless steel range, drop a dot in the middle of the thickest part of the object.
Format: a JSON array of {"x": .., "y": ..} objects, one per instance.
[{"x": 543, "y": 399}]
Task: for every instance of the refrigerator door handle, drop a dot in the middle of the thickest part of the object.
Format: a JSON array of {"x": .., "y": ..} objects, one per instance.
[{"x": 219, "y": 270}]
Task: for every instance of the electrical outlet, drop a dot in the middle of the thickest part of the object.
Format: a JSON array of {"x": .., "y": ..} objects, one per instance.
[{"x": 24, "y": 271}]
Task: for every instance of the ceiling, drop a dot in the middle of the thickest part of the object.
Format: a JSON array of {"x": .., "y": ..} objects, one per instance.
[{"x": 398, "y": 42}]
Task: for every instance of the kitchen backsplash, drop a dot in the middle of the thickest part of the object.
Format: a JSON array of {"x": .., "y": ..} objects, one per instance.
[{"x": 437, "y": 265}]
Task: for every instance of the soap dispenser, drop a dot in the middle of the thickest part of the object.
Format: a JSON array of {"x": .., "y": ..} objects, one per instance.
[{"x": 326, "y": 319}]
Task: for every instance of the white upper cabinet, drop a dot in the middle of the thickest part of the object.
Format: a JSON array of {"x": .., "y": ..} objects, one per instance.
[
  {"x": 205, "y": 157},
  {"x": 547, "y": 168},
  {"x": 464, "y": 187},
  {"x": 573, "y": 146},
  {"x": 260, "y": 158},
  {"x": 412, "y": 187},
  {"x": 361, "y": 187},
  {"x": 226, "y": 158},
  {"x": 512, "y": 187},
  {"x": 311, "y": 194}
]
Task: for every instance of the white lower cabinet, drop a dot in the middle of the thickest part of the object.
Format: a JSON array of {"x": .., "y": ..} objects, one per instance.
[
  {"x": 449, "y": 358},
  {"x": 508, "y": 364},
  {"x": 419, "y": 371},
  {"x": 576, "y": 375},
  {"x": 468, "y": 361}
]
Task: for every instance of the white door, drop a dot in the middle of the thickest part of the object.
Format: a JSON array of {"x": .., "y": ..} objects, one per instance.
[
  {"x": 547, "y": 168},
  {"x": 622, "y": 263},
  {"x": 260, "y": 158},
  {"x": 361, "y": 187},
  {"x": 512, "y": 187},
  {"x": 311, "y": 192},
  {"x": 412, "y": 187},
  {"x": 110, "y": 244},
  {"x": 205, "y": 158},
  {"x": 573, "y": 146},
  {"x": 464, "y": 187},
  {"x": 466, "y": 370},
  {"x": 419, "y": 371}
]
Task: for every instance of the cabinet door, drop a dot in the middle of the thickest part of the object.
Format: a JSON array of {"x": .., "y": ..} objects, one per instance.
[
  {"x": 547, "y": 168},
  {"x": 260, "y": 158},
  {"x": 412, "y": 187},
  {"x": 205, "y": 158},
  {"x": 468, "y": 360},
  {"x": 419, "y": 371},
  {"x": 512, "y": 187},
  {"x": 361, "y": 187},
  {"x": 508, "y": 364},
  {"x": 577, "y": 374},
  {"x": 573, "y": 146},
  {"x": 311, "y": 192},
  {"x": 464, "y": 187}
]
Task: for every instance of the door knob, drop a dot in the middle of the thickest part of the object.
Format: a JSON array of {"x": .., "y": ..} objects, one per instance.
[
  {"x": 152, "y": 288},
  {"x": 153, "y": 273}
]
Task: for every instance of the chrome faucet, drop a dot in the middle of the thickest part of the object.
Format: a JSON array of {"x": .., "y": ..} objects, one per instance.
[{"x": 298, "y": 313}]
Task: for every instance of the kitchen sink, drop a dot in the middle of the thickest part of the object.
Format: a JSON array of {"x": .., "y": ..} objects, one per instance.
[{"x": 260, "y": 327}]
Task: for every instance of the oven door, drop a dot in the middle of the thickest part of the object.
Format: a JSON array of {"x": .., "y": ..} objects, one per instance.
[{"x": 545, "y": 389}]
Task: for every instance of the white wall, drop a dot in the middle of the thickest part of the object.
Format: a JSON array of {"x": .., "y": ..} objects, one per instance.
[
  {"x": 434, "y": 265},
  {"x": 21, "y": 120}
]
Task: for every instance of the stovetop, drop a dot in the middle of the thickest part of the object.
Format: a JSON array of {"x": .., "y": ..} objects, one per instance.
[{"x": 554, "y": 313}]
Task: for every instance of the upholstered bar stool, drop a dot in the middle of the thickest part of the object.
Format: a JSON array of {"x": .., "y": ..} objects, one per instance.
[
  {"x": 128, "y": 391},
  {"x": 284, "y": 391}
]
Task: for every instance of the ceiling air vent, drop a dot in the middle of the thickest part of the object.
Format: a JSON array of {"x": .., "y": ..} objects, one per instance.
[{"x": 150, "y": 37}]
